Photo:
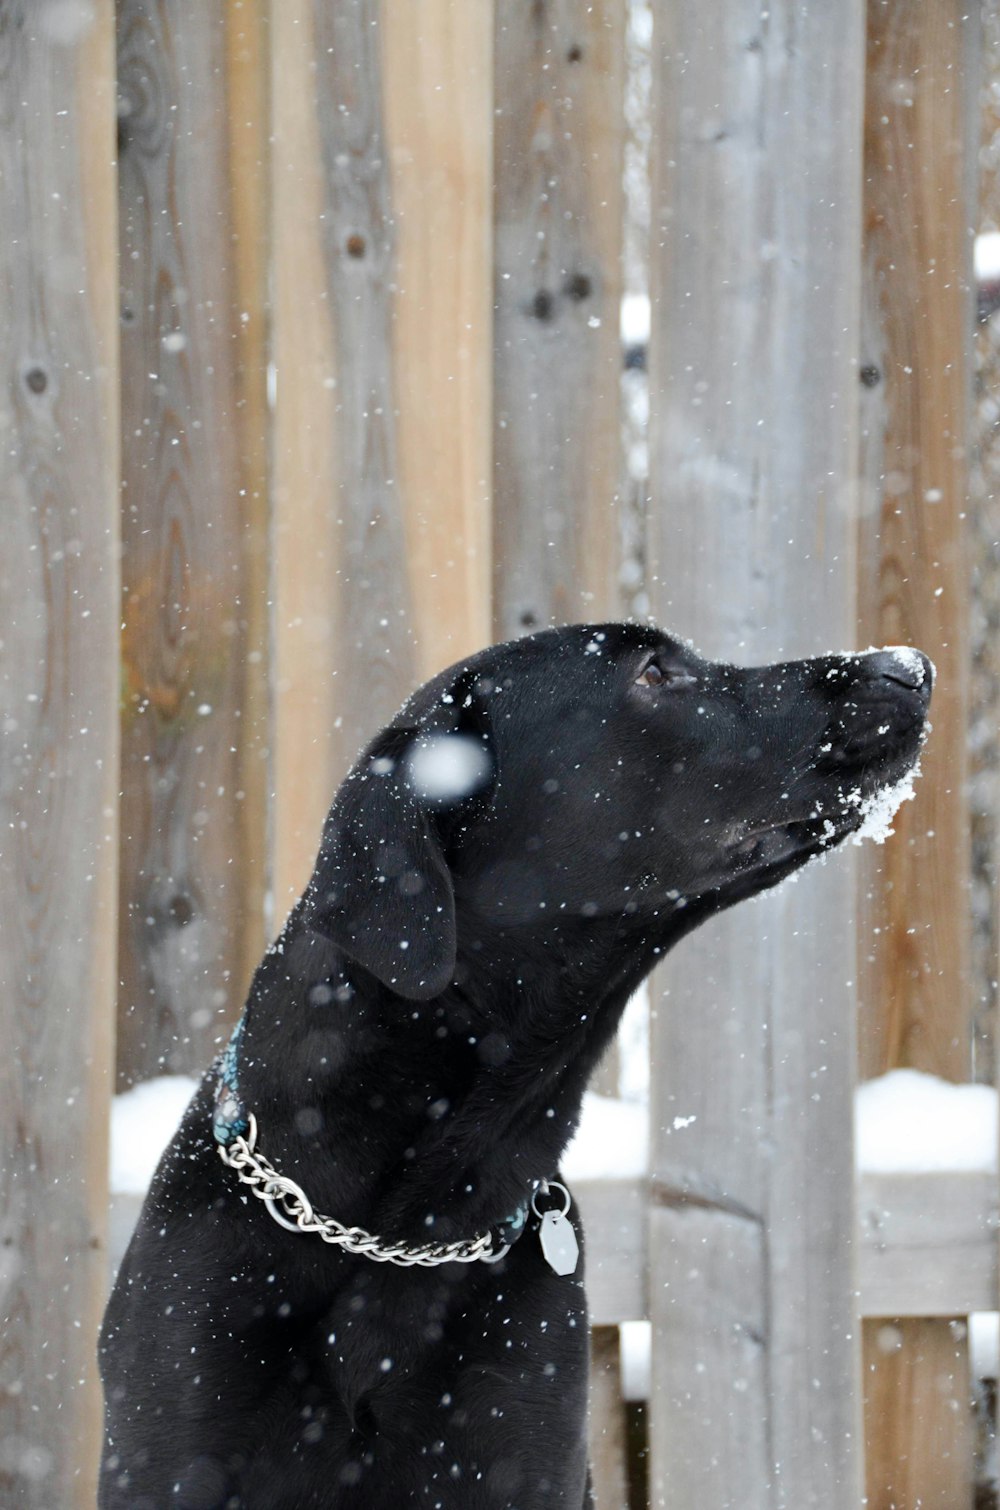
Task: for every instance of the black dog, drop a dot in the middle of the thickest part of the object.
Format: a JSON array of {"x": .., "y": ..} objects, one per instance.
[{"x": 502, "y": 867}]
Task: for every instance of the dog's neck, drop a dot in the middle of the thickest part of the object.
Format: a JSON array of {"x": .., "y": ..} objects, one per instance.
[{"x": 432, "y": 1121}]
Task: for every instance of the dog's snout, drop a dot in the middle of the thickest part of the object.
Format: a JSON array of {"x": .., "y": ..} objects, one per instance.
[{"x": 903, "y": 665}]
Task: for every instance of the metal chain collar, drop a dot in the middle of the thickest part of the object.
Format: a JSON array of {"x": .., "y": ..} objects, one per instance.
[{"x": 291, "y": 1209}]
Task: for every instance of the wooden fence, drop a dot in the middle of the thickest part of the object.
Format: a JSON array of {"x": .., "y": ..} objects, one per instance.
[{"x": 360, "y": 412}]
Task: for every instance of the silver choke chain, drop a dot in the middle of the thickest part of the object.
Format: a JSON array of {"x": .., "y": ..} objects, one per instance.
[{"x": 291, "y": 1209}]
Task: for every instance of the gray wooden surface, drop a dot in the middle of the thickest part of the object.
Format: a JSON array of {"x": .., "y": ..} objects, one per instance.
[
  {"x": 756, "y": 230},
  {"x": 59, "y": 602},
  {"x": 192, "y": 844},
  {"x": 926, "y": 1246},
  {"x": 558, "y": 152}
]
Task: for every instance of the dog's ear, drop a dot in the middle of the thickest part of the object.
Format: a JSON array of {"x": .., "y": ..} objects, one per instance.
[{"x": 382, "y": 889}]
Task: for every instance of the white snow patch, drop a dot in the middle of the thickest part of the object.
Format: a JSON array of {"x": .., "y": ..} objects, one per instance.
[
  {"x": 984, "y": 1344},
  {"x": 447, "y": 767},
  {"x": 633, "y": 1047},
  {"x": 907, "y": 1121},
  {"x": 636, "y": 1359},
  {"x": 881, "y": 807},
  {"x": 143, "y": 1120},
  {"x": 986, "y": 256},
  {"x": 612, "y": 1141},
  {"x": 635, "y": 319}
]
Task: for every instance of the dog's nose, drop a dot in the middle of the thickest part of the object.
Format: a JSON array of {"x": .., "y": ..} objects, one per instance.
[{"x": 904, "y": 665}]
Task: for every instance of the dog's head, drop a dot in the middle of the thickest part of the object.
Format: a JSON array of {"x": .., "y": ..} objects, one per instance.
[{"x": 601, "y": 771}]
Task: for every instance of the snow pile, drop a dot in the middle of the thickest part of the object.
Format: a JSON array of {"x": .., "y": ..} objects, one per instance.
[
  {"x": 143, "y": 1120},
  {"x": 906, "y": 1121},
  {"x": 612, "y": 1141}
]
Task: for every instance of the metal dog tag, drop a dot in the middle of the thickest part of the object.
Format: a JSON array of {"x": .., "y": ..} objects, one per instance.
[{"x": 559, "y": 1244}]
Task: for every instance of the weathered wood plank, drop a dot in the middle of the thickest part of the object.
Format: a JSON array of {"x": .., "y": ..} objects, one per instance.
[
  {"x": 914, "y": 969},
  {"x": 58, "y": 736},
  {"x": 559, "y": 146},
  {"x": 614, "y": 1215},
  {"x": 928, "y": 1244},
  {"x": 438, "y": 61},
  {"x": 187, "y": 834},
  {"x": 359, "y": 620},
  {"x": 708, "y": 1295},
  {"x": 247, "y": 39},
  {"x": 908, "y": 1369},
  {"x": 914, "y": 566},
  {"x": 756, "y": 279}
]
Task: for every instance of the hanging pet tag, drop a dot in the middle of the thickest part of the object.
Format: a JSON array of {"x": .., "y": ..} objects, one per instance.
[{"x": 559, "y": 1244}]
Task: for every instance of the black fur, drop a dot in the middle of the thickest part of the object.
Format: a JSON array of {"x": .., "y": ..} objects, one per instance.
[{"x": 420, "y": 1091}]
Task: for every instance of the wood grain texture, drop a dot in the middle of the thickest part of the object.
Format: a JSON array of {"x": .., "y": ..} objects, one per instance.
[
  {"x": 247, "y": 43},
  {"x": 614, "y": 1216},
  {"x": 906, "y": 1367},
  {"x": 437, "y": 56},
  {"x": 711, "y": 1373},
  {"x": 928, "y": 1245},
  {"x": 917, "y": 1006},
  {"x": 914, "y": 567},
  {"x": 756, "y": 293},
  {"x": 558, "y": 162},
  {"x": 187, "y": 834},
  {"x": 58, "y": 736},
  {"x": 373, "y": 298}
]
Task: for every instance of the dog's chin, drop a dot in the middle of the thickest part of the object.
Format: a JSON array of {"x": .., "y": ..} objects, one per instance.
[{"x": 863, "y": 804}]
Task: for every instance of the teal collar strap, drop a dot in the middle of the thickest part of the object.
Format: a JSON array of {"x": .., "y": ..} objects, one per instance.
[{"x": 229, "y": 1119}]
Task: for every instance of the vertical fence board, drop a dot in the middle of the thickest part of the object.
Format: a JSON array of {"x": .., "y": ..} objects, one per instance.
[
  {"x": 58, "y": 737},
  {"x": 917, "y": 1398},
  {"x": 187, "y": 834},
  {"x": 247, "y": 40},
  {"x": 916, "y": 996},
  {"x": 915, "y": 581},
  {"x": 559, "y": 143},
  {"x": 372, "y": 302},
  {"x": 437, "y": 56},
  {"x": 756, "y": 278},
  {"x": 308, "y": 744}
]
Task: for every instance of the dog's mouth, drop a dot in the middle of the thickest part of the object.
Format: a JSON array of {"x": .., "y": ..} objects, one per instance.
[
  {"x": 864, "y": 809},
  {"x": 777, "y": 843}
]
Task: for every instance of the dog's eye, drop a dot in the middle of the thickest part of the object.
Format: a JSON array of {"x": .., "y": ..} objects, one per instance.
[
  {"x": 651, "y": 676},
  {"x": 655, "y": 675}
]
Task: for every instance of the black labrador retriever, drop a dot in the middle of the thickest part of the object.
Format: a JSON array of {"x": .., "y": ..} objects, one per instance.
[{"x": 505, "y": 863}]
